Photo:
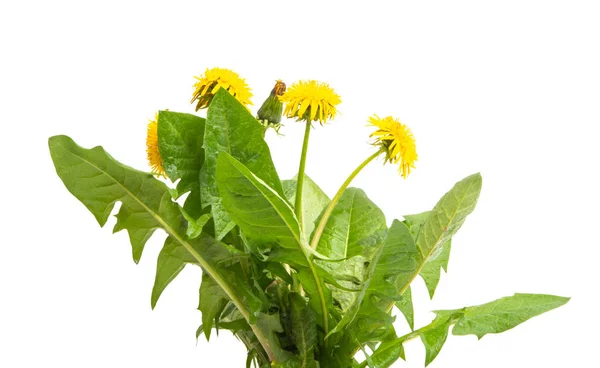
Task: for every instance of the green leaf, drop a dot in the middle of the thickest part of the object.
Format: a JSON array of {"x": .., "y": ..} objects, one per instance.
[
  {"x": 398, "y": 260},
  {"x": 230, "y": 128},
  {"x": 415, "y": 222},
  {"x": 434, "y": 338},
  {"x": 296, "y": 362},
  {"x": 354, "y": 231},
  {"x": 387, "y": 354},
  {"x": 431, "y": 269},
  {"x": 392, "y": 265},
  {"x": 271, "y": 324},
  {"x": 494, "y": 317},
  {"x": 504, "y": 314},
  {"x": 171, "y": 260},
  {"x": 448, "y": 215},
  {"x": 435, "y": 232},
  {"x": 99, "y": 181},
  {"x": 212, "y": 302},
  {"x": 406, "y": 307},
  {"x": 262, "y": 214},
  {"x": 304, "y": 329},
  {"x": 315, "y": 200},
  {"x": 352, "y": 227},
  {"x": 180, "y": 139},
  {"x": 268, "y": 220}
]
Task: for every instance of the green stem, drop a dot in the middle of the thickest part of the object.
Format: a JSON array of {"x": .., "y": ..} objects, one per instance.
[
  {"x": 336, "y": 198},
  {"x": 411, "y": 336},
  {"x": 300, "y": 177}
]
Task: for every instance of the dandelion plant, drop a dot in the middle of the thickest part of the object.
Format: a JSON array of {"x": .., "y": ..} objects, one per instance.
[{"x": 300, "y": 279}]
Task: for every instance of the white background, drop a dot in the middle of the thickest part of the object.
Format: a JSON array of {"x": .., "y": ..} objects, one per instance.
[{"x": 509, "y": 88}]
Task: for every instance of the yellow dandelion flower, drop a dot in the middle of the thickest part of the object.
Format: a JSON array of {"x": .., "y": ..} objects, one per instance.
[
  {"x": 398, "y": 142},
  {"x": 215, "y": 78},
  {"x": 310, "y": 100},
  {"x": 154, "y": 159}
]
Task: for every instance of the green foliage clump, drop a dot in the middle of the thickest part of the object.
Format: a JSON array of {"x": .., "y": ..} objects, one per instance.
[{"x": 291, "y": 304}]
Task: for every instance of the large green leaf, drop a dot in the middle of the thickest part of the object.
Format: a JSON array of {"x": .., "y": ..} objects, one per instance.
[
  {"x": 263, "y": 215},
  {"x": 394, "y": 261},
  {"x": 231, "y": 128},
  {"x": 433, "y": 235},
  {"x": 315, "y": 200},
  {"x": 494, "y": 317},
  {"x": 269, "y": 221},
  {"x": 99, "y": 181},
  {"x": 354, "y": 231},
  {"x": 503, "y": 314},
  {"x": 351, "y": 227},
  {"x": 180, "y": 139},
  {"x": 447, "y": 216},
  {"x": 401, "y": 260}
]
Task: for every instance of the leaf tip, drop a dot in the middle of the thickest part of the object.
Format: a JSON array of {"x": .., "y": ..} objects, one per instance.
[{"x": 153, "y": 301}]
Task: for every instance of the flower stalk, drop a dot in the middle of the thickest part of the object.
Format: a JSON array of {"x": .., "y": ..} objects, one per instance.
[
  {"x": 300, "y": 177},
  {"x": 329, "y": 209}
]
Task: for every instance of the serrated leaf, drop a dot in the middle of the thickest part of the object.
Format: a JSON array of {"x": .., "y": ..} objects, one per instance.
[
  {"x": 180, "y": 139},
  {"x": 230, "y": 128},
  {"x": 212, "y": 302},
  {"x": 448, "y": 215},
  {"x": 271, "y": 325},
  {"x": 304, "y": 329},
  {"x": 315, "y": 200},
  {"x": 437, "y": 230},
  {"x": 171, "y": 260},
  {"x": 99, "y": 181},
  {"x": 434, "y": 338},
  {"x": 431, "y": 269},
  {"x": 504, "y": 314},
  {"x": 494, "y": 317},
  {"x": 406, "y": 307},
  {"x": 395, "y": 260}
]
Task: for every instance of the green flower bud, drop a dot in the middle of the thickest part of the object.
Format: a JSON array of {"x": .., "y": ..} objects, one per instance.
[{"x": 271, "y": 110}]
